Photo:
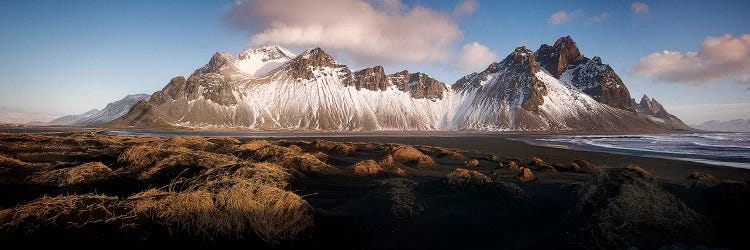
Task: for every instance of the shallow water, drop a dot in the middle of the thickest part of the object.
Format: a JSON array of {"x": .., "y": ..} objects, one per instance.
[{"x": 725, "y": 149}]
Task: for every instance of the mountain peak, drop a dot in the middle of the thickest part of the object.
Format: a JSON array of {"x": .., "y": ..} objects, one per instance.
[
  {"x": 317, "y": 57},
  {"x": 266, "y": 53},
  {"x": 303, "y": 65},
  {"x": 556, "y": 59},
  {"x": 564, "y": 41}
]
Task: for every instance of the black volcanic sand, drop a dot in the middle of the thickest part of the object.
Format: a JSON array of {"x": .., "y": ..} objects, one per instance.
[
  {"x": 353, "y": 212},
  {"x": 668, "y": 170}
]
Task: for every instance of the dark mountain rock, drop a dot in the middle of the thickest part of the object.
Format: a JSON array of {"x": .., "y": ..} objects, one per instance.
[
  {"x": 301, "y": 66},
  {"x": 419, "y": 85},
  {"x": 590, "y": 76},
  {"x": 557, "y": 58},
  {"x": 371, "y": 78}
]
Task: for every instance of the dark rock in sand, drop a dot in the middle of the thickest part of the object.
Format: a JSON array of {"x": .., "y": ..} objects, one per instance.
[{"x": 625, "y": 207}]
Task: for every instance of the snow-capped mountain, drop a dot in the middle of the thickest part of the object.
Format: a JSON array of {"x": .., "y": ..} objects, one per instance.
[
  {"x": 97, "y": 117},
  {"x": 737, "y": 125},
  {"x": 268, "y": 89}
]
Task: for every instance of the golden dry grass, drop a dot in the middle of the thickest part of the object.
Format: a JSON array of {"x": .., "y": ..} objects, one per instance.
[
  {"x": 410, "y": 155},
  {"x": 367, "y": 167},
  {"x": 68, "y": 212},
  {"x": 147, "y": 161},
  {"x": 228, "y": 206},
  {"x": 14, "y": 171},
  {"x": 526, "y": 175},
  {"x": 334, "y": 148},
  {"x": 467, "y": 179},
  {"x": 191, "y": 142},
  {"x": 307, "y": 163},
  {"x": 254, "y": 145},
  {"x": 83, "y": 174},
  {"x": 471, "y": 163}
]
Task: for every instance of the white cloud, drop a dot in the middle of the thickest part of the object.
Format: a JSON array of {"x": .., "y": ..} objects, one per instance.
[
  {"x": 562, "y": 16},
  {"x": 356, "y": 28},
  {"x": 639, "y": 8},
  {"x": 466, "y": 7},
  {"x": 604, "y": 16},
  {"x": 475, "y": 57},
  {"x": 718, "y": 58}
]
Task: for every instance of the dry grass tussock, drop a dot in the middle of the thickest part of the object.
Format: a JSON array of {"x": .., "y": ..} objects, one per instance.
[
  {"x": 471, "y": 163},
  {"x": 191, "y": 142},
  {"x": 14, "y": 171},
  {"x": 147, "y": 161},
  {"x": 254, "y": 145},
  {"x": 625, "y": 207},
  {"x": 403, "y": 195},
  {"x": 410, "y": 155},
  {"x": 230, "y": 205},
  {"x": 467, "y": 179},
  {"x": 367, "y": 167},
  {"x": 272, "y": 153},
  {"x": 307, "y": 163},
  {"x": 335, "y": 148},
  {"x": 441, "y": 152},
  {"x": 702, "y": 180},
  {"x": 66, "y": 212},
  {"x": 84, "y": 174}
]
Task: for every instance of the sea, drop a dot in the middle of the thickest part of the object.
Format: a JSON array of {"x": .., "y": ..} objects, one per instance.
[{"x": 724, "y": 149}]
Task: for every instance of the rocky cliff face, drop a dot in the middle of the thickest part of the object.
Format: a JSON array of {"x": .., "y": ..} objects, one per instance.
[
  {"x": 564, "y": 61},
  {"x": 371, "y": 78}
]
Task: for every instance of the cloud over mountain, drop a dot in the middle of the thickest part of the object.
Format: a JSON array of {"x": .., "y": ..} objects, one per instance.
[
  {"x": 365, "y": 31},
  {"x": 475, "y": 57},
  {"x": 717, "y": 58}
]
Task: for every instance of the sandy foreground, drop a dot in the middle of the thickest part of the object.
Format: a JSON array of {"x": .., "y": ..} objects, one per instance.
[{"x": 364, "y": 191}]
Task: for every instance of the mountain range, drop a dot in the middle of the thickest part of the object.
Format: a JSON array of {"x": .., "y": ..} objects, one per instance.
[
  {"x": 95, "y": 117},
  {"x": 737, "y": 125},
  {"x": 555, "y": 88}
]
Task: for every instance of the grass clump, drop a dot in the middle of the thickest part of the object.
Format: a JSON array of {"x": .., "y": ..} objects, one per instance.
[
  {"x": 467, "y": 179},
  {"x": 84, "y": 174},
  {"x": 411, "y": 156},
  {"x": 403, "y": 195},
  {"x": 367, "y": 167}
]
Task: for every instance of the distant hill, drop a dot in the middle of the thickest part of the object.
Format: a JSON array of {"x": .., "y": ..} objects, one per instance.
[
  {"x": 97, "y": 117},
  {"x": 738, "y": 125}
]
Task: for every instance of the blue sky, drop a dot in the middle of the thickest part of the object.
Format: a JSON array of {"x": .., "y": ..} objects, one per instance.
[{"x": 66, "y": 57}]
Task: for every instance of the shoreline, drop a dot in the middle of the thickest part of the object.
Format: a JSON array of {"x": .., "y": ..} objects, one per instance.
[{"x": 672, "y": 170}]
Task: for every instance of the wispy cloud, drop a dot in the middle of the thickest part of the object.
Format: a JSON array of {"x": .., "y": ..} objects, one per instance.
[
  {"x": 562, "y": 17},
  {"x": 466, "y": 7},
  {"x": 639, "y": 8},
  {"x": 604, "y": 16},
  {"x": 717, "y": 58},
  {"x": 384, "y": 31}
]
